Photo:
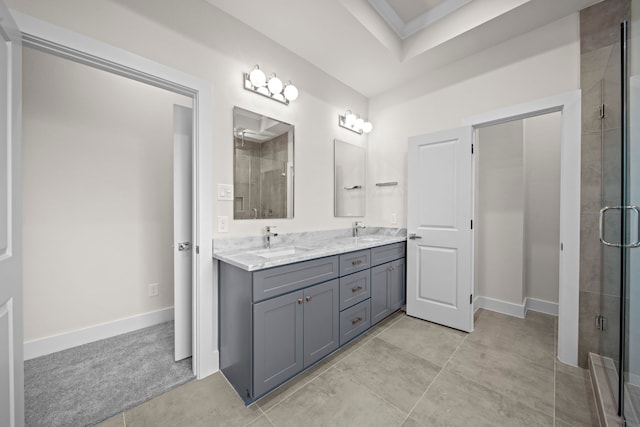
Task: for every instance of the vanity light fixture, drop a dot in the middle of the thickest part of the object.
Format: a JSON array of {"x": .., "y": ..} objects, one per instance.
[
  {"x": 256, "y": 81},
  {"x": 354, "y": 123}
]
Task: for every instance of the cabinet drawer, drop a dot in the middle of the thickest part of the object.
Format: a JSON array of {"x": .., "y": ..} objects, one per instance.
[
  {"x": 280, "y": 280},
  {"x": 354, "y": 321},
  {"x": 355, "y": 261},
  {"x": 354, "y": 288},
  {"x": 387, "y": 253}
]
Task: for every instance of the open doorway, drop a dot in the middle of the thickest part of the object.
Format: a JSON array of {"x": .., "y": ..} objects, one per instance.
[
  {"x": 99, "y": 204},
  {"x": 517, "y": 215}
]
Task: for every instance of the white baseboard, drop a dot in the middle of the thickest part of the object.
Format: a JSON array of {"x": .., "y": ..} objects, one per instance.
[
  {"x": 517, "y": 310},
  {"x": 541, "y": 306},
  {"x": 52, "y": 344},
  {"x": 503, "y": 307}
]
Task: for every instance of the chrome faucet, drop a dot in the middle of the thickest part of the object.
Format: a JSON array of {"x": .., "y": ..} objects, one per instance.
[
  {"x": 269, "y": 235},
  {"x": 356, "y": 228}
]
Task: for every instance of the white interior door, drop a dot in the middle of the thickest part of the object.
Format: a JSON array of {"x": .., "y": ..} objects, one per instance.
[
  {"x": 439, "y": 263},
  {"x": 11, "y": 347},
  {"x": 182, "y": 230}
]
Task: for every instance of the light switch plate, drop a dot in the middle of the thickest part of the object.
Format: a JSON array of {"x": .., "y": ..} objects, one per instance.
[
  {"x": 223, "y": 224},
  {"x": 225, "y": 192}
]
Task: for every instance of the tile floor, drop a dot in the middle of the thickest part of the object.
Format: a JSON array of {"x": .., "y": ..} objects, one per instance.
[{"x": 405, "y": 372}]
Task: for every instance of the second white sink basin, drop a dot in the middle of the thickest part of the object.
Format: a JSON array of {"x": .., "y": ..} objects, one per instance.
[{"x": 280, "y": 252}]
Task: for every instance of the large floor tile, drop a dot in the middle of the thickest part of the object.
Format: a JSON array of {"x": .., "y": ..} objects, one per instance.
[
  {"x": 432, "y": 342},
  {"x": 117, "y": 421},
  {"x": 334, "y": 399},
  {"x": 453, "y": 400},
  {"x": 263, "y": 421},
  {"x": 396, "y": 375},
  {"x": 507, "y": 373},
  {"x": 532, "y": 338},
  {"x": 285, "y": 390},
  {"x": 211, "y": 401},
  {"x": 574, "y": 399}
]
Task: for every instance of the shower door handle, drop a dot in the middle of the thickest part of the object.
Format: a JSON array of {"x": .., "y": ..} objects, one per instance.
[{"x": 633, "y": 208}]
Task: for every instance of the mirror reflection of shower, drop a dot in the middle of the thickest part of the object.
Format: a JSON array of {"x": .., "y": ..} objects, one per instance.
[{"x": 263, "y": 166}]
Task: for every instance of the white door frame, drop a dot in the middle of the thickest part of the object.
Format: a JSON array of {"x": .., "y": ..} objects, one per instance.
[
  {"x": 67, "y": 44},
  {"x": 569, "y": 292}
]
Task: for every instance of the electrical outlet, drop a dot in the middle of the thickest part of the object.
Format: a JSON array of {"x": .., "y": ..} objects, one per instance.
[
  {"x": 394, "y": 218},
  {"x": 223, "y": 224},
  {"x": 153, "y": 290}
]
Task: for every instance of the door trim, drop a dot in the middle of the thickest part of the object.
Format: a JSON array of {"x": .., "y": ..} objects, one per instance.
[
  {"x": 63, "y": 43},
  {"x": 569, "y": 292}
]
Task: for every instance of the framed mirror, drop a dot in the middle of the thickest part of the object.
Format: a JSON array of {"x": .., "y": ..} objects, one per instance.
[
  {"x": 349, "y": 179},
  {"x": 262, "y": 166}
]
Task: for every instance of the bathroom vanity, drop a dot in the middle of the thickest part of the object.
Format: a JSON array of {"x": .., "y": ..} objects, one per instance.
[{"x": 284, "y": 309}]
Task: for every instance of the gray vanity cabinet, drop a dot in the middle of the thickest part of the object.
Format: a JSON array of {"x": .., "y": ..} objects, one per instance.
[
  {"x": 277, "y": 340},
  {"x": 292, "y": 332},
  {"x": 387, "y": 282}
]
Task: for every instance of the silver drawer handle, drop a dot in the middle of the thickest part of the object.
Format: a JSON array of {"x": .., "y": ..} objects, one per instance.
[
  {"x": 356, "y": 289},
  {"x": 300, "y": 300},
  {"x": 356, "y": 320},
  {"x": 356, "y": 262},
  {"x": 633, "y": 208}
]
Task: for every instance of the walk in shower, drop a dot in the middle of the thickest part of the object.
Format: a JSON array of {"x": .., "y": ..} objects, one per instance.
[{"x": 619, "y": 316}]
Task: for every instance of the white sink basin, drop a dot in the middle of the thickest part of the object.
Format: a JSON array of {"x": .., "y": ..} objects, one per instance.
[
  {"x": 369, "y": 239},
  {"x": 279, "y": 252}
]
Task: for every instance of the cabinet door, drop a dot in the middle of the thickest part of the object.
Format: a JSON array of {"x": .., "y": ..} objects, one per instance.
[
  {"x": 321, "y": 321},
  {"x": 397, "y": 284},
  {"x": 277, "y": 341},
  {"x": 380, "y": 304}
]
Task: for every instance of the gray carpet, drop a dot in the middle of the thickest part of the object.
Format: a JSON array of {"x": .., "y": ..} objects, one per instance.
[{"x": 87, "y": 384}]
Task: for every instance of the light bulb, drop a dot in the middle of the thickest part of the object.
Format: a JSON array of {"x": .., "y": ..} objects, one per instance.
[
  {"x": 278, "y": 96},
  {"x": 349, "y": 118},
  {"x": 275, "y": 84},
  {"x": 367, "y": 127},
  {"x": 291, "y": 92},
  {"x": 263, "y": 90},
  {"x": 358, "y": 124},
  {"x": 257, "y": 77}
]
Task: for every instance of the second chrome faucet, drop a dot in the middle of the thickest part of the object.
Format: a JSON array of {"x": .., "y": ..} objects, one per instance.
[{"x": 356, "y": 228}]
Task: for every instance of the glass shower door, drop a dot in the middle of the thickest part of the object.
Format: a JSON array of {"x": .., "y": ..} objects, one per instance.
[{"x": 631, "y": 199}]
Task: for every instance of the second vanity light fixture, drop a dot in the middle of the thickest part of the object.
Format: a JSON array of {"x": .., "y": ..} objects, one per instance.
[
  {"x": 256, "y": 81},
  {"x": 354, "y": 123}
]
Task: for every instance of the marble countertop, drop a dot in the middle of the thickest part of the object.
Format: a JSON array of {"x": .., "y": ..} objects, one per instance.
[{"x": 305, "y": 247}]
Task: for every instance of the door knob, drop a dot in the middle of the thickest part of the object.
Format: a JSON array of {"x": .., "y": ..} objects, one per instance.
[
  {"x": 414, "y": 236},
  {"x": 184, "y": 246}
]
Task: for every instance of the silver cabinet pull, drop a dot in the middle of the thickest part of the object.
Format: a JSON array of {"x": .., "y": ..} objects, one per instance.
[
  {"x": 309, "y": 298},
  {"x": 633, "y": 208},
  {"x": 300, "y": 300},
  {"x": 356, "y": 320},
  {"x": 356, "y": 262},
  {"x": 184, "y": 246},
  {"x": 356, "y": 289},
  {"x": 414, "y": 236}
]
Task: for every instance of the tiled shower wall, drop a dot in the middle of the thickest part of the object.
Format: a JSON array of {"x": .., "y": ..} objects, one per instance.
[{"x": 600, "y": 84}]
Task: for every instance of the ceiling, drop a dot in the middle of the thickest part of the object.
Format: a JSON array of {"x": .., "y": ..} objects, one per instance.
[{"x": 376, "y": 45}]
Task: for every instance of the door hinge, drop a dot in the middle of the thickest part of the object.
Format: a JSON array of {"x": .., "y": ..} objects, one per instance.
[
  {"x": 197, "y": 249},
  {"x": 471, "y": 148},
  {"x": 472, "y": 224},
  {"x": 471, "y": 299}
]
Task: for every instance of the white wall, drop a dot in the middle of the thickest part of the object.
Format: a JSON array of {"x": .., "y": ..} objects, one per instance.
[
  {"x": 542, "y": 206},
  {"x": 98, "y": 196},
  {"x": 499, "y": 212},
  {"x": 536, "y": 65},
  {"x": 209, "y": 44}
]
